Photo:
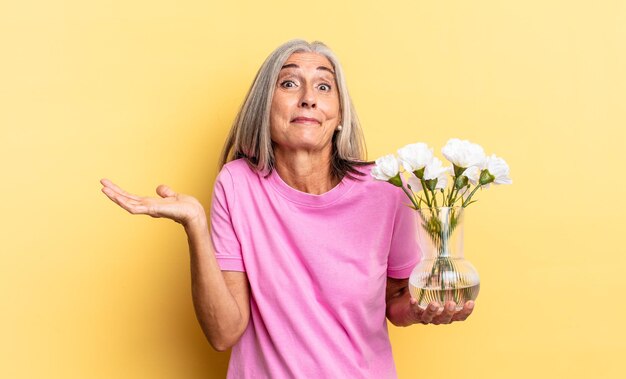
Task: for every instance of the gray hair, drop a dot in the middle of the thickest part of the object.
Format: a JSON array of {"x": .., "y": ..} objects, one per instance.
[{"x": 249, "y": 135}]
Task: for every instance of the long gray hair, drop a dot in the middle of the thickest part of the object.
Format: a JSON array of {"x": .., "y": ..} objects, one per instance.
[{"x": 249, "y": 135}]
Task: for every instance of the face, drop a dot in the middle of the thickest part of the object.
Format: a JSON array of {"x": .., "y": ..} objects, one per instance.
[{"x": 305, "y": 107}]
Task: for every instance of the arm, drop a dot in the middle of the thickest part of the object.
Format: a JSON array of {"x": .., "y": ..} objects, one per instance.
[
  {"x": 221, "y": 299},
  {"x": 397, "y": 298},
  {"x": 402, "y": 309}
]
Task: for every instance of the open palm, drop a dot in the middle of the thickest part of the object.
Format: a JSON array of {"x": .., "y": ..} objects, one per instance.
[{"x": 176, "y": 206}]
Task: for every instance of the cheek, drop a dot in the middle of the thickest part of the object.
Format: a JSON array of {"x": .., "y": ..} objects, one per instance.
[
  {"x": 279, "y": 117},
  {"x": 284, "y": 100},
  {"x": 331, "y": 108},
  {"x": 280, "y": 110}
]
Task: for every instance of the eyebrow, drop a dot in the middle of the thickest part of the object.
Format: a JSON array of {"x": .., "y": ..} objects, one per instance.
[{"x": 293, "y": 65}]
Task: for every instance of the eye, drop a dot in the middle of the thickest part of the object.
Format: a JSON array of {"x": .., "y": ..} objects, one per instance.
[
  {"x": 324, "y": 87},
  {"x": 288, "y": 84}
]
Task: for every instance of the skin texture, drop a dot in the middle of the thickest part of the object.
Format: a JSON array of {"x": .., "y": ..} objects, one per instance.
[{"x": 306, "y": 87}]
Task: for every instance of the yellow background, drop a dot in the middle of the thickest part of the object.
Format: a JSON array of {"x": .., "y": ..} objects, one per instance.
[{"x": 143, "y": 93}]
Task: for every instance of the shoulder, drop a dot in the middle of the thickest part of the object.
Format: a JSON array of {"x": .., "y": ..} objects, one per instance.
[
  {"x": 237, "y": 170},
  {"x": 238, "y": 166},
  {"x": 235, "y": 176},
  {"x": 365, "y": 170}
]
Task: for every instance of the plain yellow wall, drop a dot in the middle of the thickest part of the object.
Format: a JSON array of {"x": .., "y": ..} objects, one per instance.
[{"x": 143, "y": 93}]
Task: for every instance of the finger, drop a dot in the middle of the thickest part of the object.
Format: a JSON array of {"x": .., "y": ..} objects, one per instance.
[
  {"x": 446, "y": 316},
  {"x": 109, "y": 184},
  {"x": 130, "y": 205},
  {"x": 465, "y": 312},
  {"x": 430, "y": 313},
  {"x": 417, "y": 310},
  {"x": 165, "y": 191}
]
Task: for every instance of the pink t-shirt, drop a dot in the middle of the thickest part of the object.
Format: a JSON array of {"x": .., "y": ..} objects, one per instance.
[{"x": 317, "y": 267}]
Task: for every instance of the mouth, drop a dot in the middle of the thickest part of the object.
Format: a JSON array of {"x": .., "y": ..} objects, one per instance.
[{"x": 305, "y": 120}]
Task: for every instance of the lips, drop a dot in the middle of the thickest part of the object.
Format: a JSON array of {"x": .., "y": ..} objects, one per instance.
[{"x": 305, "y": 120}]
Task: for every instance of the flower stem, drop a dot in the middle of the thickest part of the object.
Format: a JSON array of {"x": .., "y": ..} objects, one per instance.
[
  {"x": 463, "y": 194},
  {"x": 410, "y": 197},
  {"x": 466, "y": 201},
  {"x": 451, "y": 192},
  {"x": 455, "y": 195},
  {"x": 426, "y": 192}
]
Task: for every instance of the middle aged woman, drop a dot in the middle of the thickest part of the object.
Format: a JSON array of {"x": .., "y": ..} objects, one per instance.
[{"x": 307, "y": 254}]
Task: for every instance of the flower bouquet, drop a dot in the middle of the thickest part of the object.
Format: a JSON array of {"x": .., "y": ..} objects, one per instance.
[{"x": 443, "y": 274}]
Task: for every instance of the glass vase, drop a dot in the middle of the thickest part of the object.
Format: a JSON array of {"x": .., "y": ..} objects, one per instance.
[{"x": 443, "y": 274}]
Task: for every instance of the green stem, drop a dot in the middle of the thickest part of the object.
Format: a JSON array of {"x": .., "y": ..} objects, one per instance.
[
  {"x": 451, "y": 192},
  {"x": 455, "y": 197},
  {"x": 410, "y": 197},
  {"x": 426, "y": 192},
  {"x": 463, "y": 194},
  {"x": 466, "y": 201}
]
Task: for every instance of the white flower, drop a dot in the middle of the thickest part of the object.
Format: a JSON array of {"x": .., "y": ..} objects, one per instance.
[
  {"x": 435, "y": 170},
  {"x": 386, "y": 168},
  {"x": 499, "y": 169},
  {"x": 497, "y": 172},
  {"x": 415, "y": 156},
  {"x": 473, "y": 173},
  {"x": 463, "y": 153},
  {"x": 415, "y": 183}
]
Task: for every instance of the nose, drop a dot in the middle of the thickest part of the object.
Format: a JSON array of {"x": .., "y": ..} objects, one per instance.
[{"x": 308, "y": 98}]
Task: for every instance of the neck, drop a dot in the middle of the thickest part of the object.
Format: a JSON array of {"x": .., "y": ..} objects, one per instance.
[{"x": 305, "y": 171}]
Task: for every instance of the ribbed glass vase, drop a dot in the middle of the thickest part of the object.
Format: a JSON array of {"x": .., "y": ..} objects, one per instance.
[{"x": 443, "y": 274}]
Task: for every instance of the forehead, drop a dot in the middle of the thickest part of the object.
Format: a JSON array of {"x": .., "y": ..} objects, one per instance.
[{"x": 306, "y": 60}]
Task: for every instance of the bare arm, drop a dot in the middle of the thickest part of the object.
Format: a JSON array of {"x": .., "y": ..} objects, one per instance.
[
  {"x": 397, "y": 301},
  {"x": 221, "y": 299}
]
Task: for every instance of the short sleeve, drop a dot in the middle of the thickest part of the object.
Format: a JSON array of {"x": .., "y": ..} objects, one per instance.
[
  {"x": 223, "y": 234},
  {"x": 405, "y": 252}
]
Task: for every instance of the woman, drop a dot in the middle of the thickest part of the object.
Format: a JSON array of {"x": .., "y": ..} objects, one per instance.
[{"x": 307, "y": 255}]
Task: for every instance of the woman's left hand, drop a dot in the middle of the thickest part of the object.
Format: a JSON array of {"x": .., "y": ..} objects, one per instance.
[{"x": 435, "y": 314}]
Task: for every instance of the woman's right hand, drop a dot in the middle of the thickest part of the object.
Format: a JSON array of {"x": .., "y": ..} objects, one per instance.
[{"x": 179, "y": 207}]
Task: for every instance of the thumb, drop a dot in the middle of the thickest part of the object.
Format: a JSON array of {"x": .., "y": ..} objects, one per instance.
[{"x": 165, "y": 191}]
